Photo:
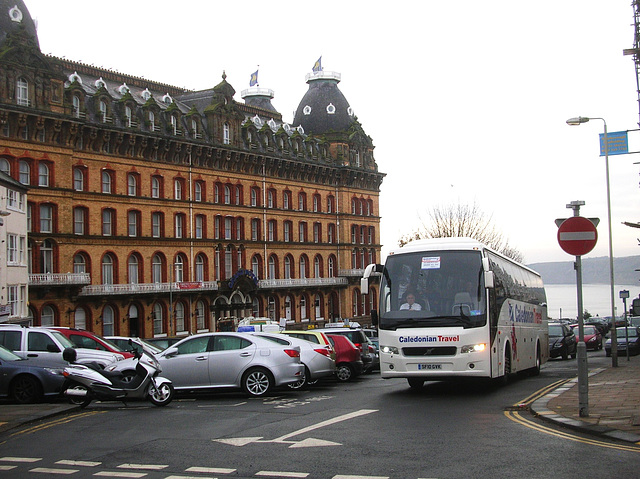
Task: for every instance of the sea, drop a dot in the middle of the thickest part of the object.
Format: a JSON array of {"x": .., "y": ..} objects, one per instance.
[{"x": 562, "y": 299}]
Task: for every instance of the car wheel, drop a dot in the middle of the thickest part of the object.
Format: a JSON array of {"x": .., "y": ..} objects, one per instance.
[
  {"x": 162, "y": 395},
  {"x": 415, "y": 383},
  {"x": 257, "y": 382},
  {"x": 344, "y": 372},
  {"x": 26, "y": 389},
  {"x": 565, "y": 353},
  {"x": 607, "y": 353},
  {"x": 302, "y": 382}
]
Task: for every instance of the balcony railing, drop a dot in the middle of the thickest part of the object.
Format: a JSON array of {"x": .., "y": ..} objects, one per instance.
[
  {"x": 146, "y": 288},
  {"x": 59, "y": 279},
  {"x": 301, "y": 282},
  {"x": 351, "y": 272}
]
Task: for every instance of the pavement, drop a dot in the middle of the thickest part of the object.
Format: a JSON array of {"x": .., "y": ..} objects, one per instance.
[{"x": 613, "y": 405}]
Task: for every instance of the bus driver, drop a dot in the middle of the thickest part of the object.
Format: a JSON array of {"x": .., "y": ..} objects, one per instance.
[{"x": 411, "y": 303}]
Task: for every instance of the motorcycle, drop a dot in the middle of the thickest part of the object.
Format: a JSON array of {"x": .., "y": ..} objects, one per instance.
[{"x": 84, "y": 383}]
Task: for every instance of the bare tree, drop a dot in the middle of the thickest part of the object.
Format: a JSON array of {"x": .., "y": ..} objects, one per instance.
[{"x": 462, "y": 221}]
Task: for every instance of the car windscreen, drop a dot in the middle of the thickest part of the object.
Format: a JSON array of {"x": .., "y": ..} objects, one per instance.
[
  {"x": 555, "y": 331},
  {"x": 66, "y": 342},
  {"x": 6, "y": 355}
]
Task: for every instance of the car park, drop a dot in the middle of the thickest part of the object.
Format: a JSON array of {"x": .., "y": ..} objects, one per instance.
[
  {"x": 89, "y": 340},
  {"x": 230, "y": 360},
  {"x": 348, "y": 358},
  {"x": 357, "y": 337},
  {"x": 44, "y": 343},
  {"x": 562, "y": 341},
  {"x": 316, "y": 359},
  {"x": 29, "y": 380},
  {"x": 624, "y": 347},
  {"x": 592, "y": 337}
]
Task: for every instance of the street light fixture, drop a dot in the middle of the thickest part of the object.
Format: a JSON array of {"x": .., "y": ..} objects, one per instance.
[{"x": 578, "y": 121}]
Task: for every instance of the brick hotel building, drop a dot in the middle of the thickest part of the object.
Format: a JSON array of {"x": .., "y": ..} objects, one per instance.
[{"x": 153, "y": 210}]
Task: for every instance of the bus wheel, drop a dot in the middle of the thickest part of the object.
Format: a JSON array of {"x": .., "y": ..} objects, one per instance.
[
  {"x": 415, "y": 383},
  {"x": 535, "y": 371},
  {"x": 504, "y": 379}
]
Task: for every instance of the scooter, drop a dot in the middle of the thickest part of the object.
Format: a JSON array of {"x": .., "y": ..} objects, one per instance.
[{"x": 84, "y": 384}]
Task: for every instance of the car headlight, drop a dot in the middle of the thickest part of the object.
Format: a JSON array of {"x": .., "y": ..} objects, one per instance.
[
  {"x": 473, "y": 348},
  {"x": 389, "y": 349}
]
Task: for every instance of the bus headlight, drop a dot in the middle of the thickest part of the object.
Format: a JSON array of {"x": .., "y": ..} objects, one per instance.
[
  {"x": 473, "y": 348},
  {"x": 389, "y": 350}
]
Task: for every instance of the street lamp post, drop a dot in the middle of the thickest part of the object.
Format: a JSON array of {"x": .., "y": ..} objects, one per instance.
[
  {"x": 614, "y": 343},
  {"x": 624, "y": 295}
]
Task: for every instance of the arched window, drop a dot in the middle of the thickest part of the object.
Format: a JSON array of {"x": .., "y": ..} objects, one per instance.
[
  {"x": 303, "y": 308},
  {"x": 178, "y": 274},
  {"x": 108, "y": 317},
  {"x": 133, "y": 269},
  {"x": 107, "y": 182},
  {"x": 179, "y": 315},
  {"x": 156, "y": 269},
  {"x": 288, "y": 308},
  {"x": 48, "y": 316},
  {"x": 228, "y": 261},
  {"x": 103, "y": 111},
  {"x": 317, "y": 267},
  {"x": 79, "y": 263},
  {"x": 200, "y": 315},
  {"x": 227, "y": 195},
  {"x": 75, "y": 100},
  {"x": 80, "y": 318},
  {"x": 331, "y": 267},
  {"x": 273, "y": 269},
  {"x": 158, "y": 319},
  {"x": 5, "y": 167},
  {"x": 200, "y": 268},
  {"x": 287, "y": 267},
  {"x": 156, "y": 191},
  {"x": 197, "y": 191},
  {"x": 272, "y": 309},
  {"x": 317, "y": 303},
  {"x": 78, "y": 179},
  {"x": 25, "y": 172},
  {"x": 132, "y": 185},
  {"x": 256, "y": 265},
  {"x": 107, "y": 269},
  {"x": 303, "y": 266}
]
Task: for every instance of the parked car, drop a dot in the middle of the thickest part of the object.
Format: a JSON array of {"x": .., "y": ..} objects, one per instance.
[
  {"x": 89, "y": 340},
  {"x": 633, "y": 348},
  {"x": 357, "y": 337},
  {"x": 592, "y": 337},
  {"x": 137, "y": 344},
  {"x": 29, "y": 380},
  {"x": 316, "y": 359},
  {"x": 562, "y": 341},
  {"x": 230, "y": 360},
  {"x": 601, "y": 324},
  {"x": 348, "y": 358},
  {"x": 164, "y": 343},
  {"x": 634, "y": 321},
  {"x": 313, "y": 335},
  {"x": 38, "y": 342}
]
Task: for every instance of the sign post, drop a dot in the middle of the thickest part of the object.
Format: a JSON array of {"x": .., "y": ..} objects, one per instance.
[{"x": 578, "y": 236}]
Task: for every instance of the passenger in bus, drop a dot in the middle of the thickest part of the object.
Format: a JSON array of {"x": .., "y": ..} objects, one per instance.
[{"x": 411, "y": 303}]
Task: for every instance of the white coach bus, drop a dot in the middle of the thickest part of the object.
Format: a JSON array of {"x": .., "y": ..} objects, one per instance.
[{"x": 454, "y": 308}]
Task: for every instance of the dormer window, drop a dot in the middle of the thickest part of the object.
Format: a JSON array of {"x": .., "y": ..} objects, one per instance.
[
  {"x": 300, "y": 129},
  {"x": 146, "y": 94},
  {"x": 22, "y": 92},
  {"x": 306, "y": 110},
  {"x": 167, "y": 99},
  {"x": 272, "y": 124},
  {"x": 226, "y": 134},
  {"x": 257, "y": 121},
  {"x": 331, "y": 110},
  {"x": 100, "y": 83},
  {"x": 75, "y": 100},
  {"x": 74, "y": 77},
  {"x": 350, "y": 111},
  {"x": 103, "y": 111},
  {"x": 123, "y": 89}
]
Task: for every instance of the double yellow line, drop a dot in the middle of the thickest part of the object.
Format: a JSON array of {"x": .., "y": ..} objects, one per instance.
[
  {"x": 56, "y": 422},
  {"x": 514, "y": 415}
]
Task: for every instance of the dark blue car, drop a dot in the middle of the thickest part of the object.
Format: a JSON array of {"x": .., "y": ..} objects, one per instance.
[
  {"x": 29, "y": 380},
  {"x": 633, "y": 348}
]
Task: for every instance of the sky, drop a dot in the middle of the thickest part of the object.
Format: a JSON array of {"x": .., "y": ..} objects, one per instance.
[{"x": 466, "y": 101}]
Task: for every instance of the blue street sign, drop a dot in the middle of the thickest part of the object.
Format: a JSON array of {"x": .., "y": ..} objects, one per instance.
[{"x": 618, "y": 143}]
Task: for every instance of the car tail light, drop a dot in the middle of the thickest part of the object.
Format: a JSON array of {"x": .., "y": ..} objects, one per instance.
[
  {"x": 294, "y": 353},
  {"x": 323, "y": 351},
  {"x": 359, "y": 346}
]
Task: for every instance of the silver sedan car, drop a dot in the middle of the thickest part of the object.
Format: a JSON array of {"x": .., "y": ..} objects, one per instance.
[
  {"x": 231, "y": 360},
  {"x": 317, "y": 360}
]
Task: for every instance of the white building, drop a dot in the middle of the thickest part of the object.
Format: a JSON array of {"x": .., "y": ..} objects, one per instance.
[{"x": 14, "y": 271}]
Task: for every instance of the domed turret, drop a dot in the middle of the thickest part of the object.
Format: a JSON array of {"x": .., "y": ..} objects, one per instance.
[
  {"x": 323, "y": 108},
  {"x": 14, "y": 16}
]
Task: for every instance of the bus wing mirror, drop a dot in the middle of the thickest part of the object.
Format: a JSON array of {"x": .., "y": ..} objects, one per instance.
[
  {"x": 489, "y": 279},
  {"x": 364, "y": 285},
  {"x": 368, "y": 271}
]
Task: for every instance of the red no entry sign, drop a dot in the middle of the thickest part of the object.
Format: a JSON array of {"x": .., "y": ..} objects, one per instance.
[{"x": 577, "y": 235}]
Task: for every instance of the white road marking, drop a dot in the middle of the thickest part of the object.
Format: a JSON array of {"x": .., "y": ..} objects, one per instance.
[
  {"x": 282, "y": 474},
  {"x": 65, "y": 462},
  {"x": 48, "y": 470},
  {"x": 343, "y": 476},
  {"x": 20, "y": 459},
  {"x": 328, "y": 422},
  {"x": 189, "y": 477},
  {"x": 7, "y": 468},
  {"x": 153, "y": 467},
  {"x": 210, "y": 470},
  {"x": 134, "y": 475}
]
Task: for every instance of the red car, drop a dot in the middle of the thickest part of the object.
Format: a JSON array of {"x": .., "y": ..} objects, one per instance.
[
  {"x": 88, "y": 340},
  {"x": 592, "y": 337},
  {"x": 348, "y": 358}
]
